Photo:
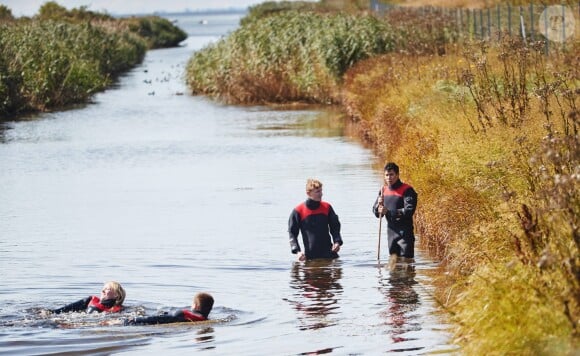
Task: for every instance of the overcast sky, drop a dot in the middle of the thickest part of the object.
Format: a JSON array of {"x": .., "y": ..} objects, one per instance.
[{"x": 114, "y": 7}]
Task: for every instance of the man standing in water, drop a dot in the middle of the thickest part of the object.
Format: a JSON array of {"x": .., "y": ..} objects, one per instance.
[
  {"x": 397, "y": 202},
  {"x": 314, "y": 219}
]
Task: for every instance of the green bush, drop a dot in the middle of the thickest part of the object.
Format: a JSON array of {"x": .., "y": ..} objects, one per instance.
[
  {"x": 50, "y": 64},
  {"x": 292, "y": 56},
  {"x": 157, "y": 31}
]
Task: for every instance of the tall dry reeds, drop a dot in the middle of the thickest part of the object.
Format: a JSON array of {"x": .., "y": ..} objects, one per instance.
[
  {"x": 293, "y": 56},
  {"x": 61, "y": 57},
  {"x": 538, "y": 96},
  {"x": 51, "y": 64}
]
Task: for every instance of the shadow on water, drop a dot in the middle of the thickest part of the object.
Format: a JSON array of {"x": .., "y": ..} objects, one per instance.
[
  {"x": 317, "y": 292},
  {"x": 3, "y": 128}
]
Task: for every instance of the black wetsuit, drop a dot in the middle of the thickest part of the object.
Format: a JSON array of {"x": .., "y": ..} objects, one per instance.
[
  {"x": 316, "y": 221},
  {"x": 178, "y": 316},
  {"x": 400, "y": 202},
  {"x": 89, "y": 305}
]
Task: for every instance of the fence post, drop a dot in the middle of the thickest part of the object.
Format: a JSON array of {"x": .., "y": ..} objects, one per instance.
[
  {"x": 522, "y": 26},
  {"x": 498, "y": 23},
  {"x": 489, "y": 23},
  {"x": 563, "y": 27},
  {"x": 532, "y": 21},
  {"x": 474, "y": 23},
  {"x": 457, "y": 22},
  {"x": 546, "y": 29},
  {"x": 463, "y": 28},
  {"x": 481, "y": 24},
  {"x": 509, "y": 19}
]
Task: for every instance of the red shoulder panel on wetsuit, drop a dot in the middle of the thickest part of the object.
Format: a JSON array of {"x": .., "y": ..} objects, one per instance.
[
  {"x": 398, "y": 192},
  {"x": 96, "y": 303},
  {"x": 304, "y": 212},
  {"x": 191, "y": 316}
]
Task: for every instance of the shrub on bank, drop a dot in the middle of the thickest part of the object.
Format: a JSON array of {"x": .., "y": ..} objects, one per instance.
[
  {"x": 157, "y": 31},
  {"x": 49, "y": 64},
  {"x": 489, "y": 138},
  {"x": 293, "y": 56},
  {"x": 298, "y": 51},
  {"x": 61, "y": 57}
]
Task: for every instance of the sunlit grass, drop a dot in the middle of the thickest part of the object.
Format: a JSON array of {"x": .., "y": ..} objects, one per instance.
[
  {"x": 293, "y": 56},
  {"x": 50, "y": 64},
  {"x": 509, "y": 268},
  {"x": 61, "y": 57}
]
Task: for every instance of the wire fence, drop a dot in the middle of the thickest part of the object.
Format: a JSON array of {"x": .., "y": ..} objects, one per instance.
[{"x": 556, "y": 25}]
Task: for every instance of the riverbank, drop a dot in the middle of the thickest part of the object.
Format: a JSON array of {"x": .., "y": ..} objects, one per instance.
[
  {"x": 498, "y": 199},
  {"x": 127, "y": 189},
  {"x": 488, "y": 135},
  {"x": 63, "y": 57}
]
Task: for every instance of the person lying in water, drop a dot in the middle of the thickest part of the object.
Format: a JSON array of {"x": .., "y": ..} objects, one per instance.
[
  {"x": 200, "y": 309},
  {"x": 111, "y": 301}
]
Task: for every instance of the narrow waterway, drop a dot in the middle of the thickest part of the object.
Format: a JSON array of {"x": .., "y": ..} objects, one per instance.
[{"x": 172, "y": 194}]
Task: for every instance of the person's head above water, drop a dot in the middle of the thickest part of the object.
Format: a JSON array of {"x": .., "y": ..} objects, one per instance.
[
  {"x": 113, "y": 290},
  {"x": 203, "y": 303}
]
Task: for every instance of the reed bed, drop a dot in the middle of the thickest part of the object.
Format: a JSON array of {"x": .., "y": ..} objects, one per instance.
[
  {"x": 51, "y": 64},
  {"x": 293, "y": 56},
  {"x": 62, "y": 57}
]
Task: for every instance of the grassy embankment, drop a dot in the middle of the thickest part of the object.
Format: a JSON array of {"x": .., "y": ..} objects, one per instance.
[
  {"x": 61, "y": 57},
  {"x": 488, "y": 135}
]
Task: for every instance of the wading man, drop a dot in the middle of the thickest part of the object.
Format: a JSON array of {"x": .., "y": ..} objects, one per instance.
[
  {"x": 397, "y": 202},
  {"x": 316, "y": 221}
]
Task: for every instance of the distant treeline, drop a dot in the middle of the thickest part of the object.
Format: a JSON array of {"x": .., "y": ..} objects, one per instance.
[{"x": 61, "y": 57}]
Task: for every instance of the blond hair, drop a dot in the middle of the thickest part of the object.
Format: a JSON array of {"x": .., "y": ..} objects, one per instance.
[
  {"x": 312, "y": 184},
  {"x": 204, "y": 302},
  {"x": 119, "y": 291}
]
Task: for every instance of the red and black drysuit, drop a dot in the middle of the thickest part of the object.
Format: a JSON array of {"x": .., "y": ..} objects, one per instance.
[
  {"x": 400, "y": 202},
  {"x": 89, "y": 305},
  {"x": 316, "y": 221},
  {"x": 178, "y": 316}
]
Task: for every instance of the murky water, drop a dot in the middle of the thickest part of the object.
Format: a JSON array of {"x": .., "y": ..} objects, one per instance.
[{"x": 172, "y": 194}]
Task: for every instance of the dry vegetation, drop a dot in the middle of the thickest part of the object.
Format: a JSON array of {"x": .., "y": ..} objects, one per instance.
[
  {"x": 489, "y": 137},
  {"x": 62, "y": 57},
  {"x": 487, "y": 133},
  {"x": 472, "y": 4}
]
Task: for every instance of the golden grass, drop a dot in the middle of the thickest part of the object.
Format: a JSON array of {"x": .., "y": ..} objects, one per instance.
[{"x": 472, "y": 180}]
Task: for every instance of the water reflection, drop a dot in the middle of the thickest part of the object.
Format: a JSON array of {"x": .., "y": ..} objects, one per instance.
[
  {"x": 3, "y": 128},
  {"x": 396, "y": 282},
  {"x": 206, "y": 337},
  {"x": 317, "y": 292}
]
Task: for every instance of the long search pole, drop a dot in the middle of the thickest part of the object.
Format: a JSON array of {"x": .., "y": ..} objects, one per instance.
[
  {"x": 380, "y": 225},
  {"x": 379, "y": 246}
]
